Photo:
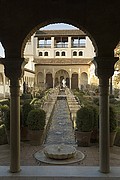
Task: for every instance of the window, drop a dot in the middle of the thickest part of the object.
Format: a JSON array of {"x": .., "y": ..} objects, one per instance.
[
  {"x": 46, "y": 53},
  {"x": 63, "y": 53},
  {"x": 74, "y": 53},
  {"x": 44, "y": 43},
  {"x": 57, "y": 53},
  {"x": 80, "y": 53},
  {"x": 40, "y": 53}
]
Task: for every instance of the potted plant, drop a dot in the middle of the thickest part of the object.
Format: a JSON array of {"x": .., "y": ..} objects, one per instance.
[
  {"x": 113, "y": 125},
  {"x": 26, "y": 108},
  {"x": 7, "y": 122},
  {"x": 36, "y": 123},
  {"x": 84, "y": 125},
  {"x": 95, "y": 131}
]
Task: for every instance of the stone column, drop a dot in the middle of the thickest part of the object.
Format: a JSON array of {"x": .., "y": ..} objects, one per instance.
[
  {"x": 70, "y": 77},
  {"x": 44, "y": 79},
  {"x": 15, "y": 125},
  {"x": 13, "y": 70},
  {"x": 53, "y": 75},
  {"x": 104, "y": 70},
  {"x": 79, "y": 86}
]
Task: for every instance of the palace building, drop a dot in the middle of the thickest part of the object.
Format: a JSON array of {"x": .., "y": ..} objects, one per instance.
[{"x": 61, "y": 54}]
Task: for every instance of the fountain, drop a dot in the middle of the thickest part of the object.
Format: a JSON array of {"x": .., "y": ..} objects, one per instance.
[
  {"x": 59, "y": 154},
  {"x": 60, "y": 151}
]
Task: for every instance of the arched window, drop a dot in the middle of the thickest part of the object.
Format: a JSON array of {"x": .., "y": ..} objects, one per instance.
[
  {"x": 80, "y": 53},
  {"x": 74, "y": 53},
  {"x": 57, "y": 53},
  {"x": 46, "y": 53},
  {"x": 40, "y": 53},
  {"x": 63, "y": 53}
]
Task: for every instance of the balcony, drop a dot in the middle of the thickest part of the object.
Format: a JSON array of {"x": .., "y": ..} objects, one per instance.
[
  {"x": 44, "y": 46},
  {"x": 76, "y": 45},
  {"x": 61, "y": 45}
]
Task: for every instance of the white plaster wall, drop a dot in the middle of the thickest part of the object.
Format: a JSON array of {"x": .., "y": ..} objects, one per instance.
[{"x": 89, "y": 49}]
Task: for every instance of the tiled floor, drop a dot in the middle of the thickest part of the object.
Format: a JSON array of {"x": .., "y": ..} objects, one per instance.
[{"x": 27, "y": 155}]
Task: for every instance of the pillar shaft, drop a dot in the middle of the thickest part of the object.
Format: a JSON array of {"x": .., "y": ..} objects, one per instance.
[
  {"x": 104, "y": 70},
  {"x": 104, "y": 125},
  {"x": 14, "y": 71},
  {"x": 70, "y": 82},
  {"x": 15, "y": 126}
]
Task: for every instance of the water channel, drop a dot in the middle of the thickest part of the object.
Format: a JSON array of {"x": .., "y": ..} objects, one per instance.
[{"x": 61, "y": 130}]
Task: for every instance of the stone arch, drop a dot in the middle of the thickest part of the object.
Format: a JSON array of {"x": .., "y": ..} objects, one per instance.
[
  {"x": 74, "y": 80},
  {"x": 74, "y": 53},
  {"x": 60, "y": 75},
  {"x": 57, "y": 53},
  {"x": 49, "y": 80},
  {"x": 40, "y": 79},
  {"x": 67, "y": 21},
  {"x": 84, "y": 80}
]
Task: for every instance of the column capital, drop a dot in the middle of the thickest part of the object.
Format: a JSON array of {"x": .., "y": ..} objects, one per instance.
[
  {"x": 13, "y": 67},
  {"x": 104, "y": 66}
]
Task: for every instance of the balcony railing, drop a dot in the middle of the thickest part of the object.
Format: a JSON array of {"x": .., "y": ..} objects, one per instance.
[
  {"x": 44, "y": 45},
  {"x": 61, "y": 45},
  {"x": 76, "y": 45}
]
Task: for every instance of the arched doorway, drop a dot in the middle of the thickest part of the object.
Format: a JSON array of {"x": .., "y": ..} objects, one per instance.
[
  {"x": 49, "y": 80},
  {"x": 74, "y": 81},
  {"x": 60, "y": 75},
  {"x": 40, "y": 80},
  {"x": 84, "y": 80}
]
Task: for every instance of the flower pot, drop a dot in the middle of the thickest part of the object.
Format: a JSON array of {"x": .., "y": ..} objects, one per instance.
[
  {"x": 24, "y": 134},
  {"x": 36, "y": 137},
  {"x": 83, "y": 138},
  {"x": 117, "y": 139}
]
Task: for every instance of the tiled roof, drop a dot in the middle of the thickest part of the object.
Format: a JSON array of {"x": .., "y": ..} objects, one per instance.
[{"x": 60, "y": 33}]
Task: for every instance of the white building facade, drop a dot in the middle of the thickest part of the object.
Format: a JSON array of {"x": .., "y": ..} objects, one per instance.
[{"x": 54, "y": 55}]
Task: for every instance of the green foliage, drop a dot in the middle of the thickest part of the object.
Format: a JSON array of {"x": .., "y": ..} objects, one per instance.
[
  {"x": 118, "y": 129},
  {"x": 95, "y": 110},
  {"x": 3, "y": 137},
  {"x": 4, "y": 108},
  {"x": 85, "y": 119},
  {"x": 2, "y": 130},
  {"x": 26, "y": 96},
  {"x": 34, "y": 100},
  {"x": 5, "y": 102},
  {"x": 36, "y": 119},
  {"x": 112, "y": 119},
  {"x": 26, "y": 108},
  {"x": 7, "y": 119},
  {"x": 96, "y": 100}
]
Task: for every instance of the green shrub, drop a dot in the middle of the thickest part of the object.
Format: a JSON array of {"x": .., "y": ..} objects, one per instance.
[
  {"x": 5, "y": 102},
  {"x": 96, "y": 100},
  {"x": 2, "y": 130},
  {"x": 95, "y": 110},
  {"x": 112, "y": 119},
  {"x": 85, "y": 119},
  {"x": 3, "y": 137},
  {"x": 36, "y": 119},
  {"x": 4, "y": 108},
  {"x": 7, "y": 119},
  {"x": 26, "y": 108},
  {"x": 26, "y": 96}
]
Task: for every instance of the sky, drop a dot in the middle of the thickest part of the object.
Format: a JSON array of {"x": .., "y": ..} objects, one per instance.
[{"x": 56, "y": 26}]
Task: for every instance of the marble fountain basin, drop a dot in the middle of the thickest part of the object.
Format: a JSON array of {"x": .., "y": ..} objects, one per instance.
[{"x": 60, "y": 152}]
